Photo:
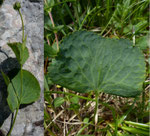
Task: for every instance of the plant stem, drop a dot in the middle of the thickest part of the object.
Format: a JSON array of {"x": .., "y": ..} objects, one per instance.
[
  {"x": 22, "y": 25},
  {"x": 21, "y": 75},
  {"x": 143, "y": 102},
  {"x": 69, "y": 12},
  {"x": 21, "y": 72},
  {"x": 124, "y": 116},
  {"x": 82, "y": 23},
  {"x": 96, "y": 107},
  {"x": 56, "y": 37},
  {"x": 51, "y": 18},
  {"x": 77, "y": 113},
  {"x": 13, "y": 122},
  {"x": 76, "y": 13}
]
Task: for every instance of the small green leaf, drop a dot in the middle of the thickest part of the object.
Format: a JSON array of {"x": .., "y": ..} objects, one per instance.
[
  {"x": 87, "y": 62},
  {"x": 58, "y": 101},
  {"x": 46, "y": 84},
  {"x": 21, "y": 55},
  {"x": 140, "y": 26},
  {"x": 54, "y": 29},
  {"x": 108, "y": 133},
  {"x": 143, "y": 42},
  {"x": 86, "y": 120},
  {"x": 74, "y": 100},
  {"x": 6, "y": 78},
  {"x": 74, "y": 106},
  {"x": 49, "y": 51},
  {"x": 31, "y": 90}
]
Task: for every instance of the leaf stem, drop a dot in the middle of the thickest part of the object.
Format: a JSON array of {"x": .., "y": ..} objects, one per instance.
[
  {"x": 21, "y": 72},
  {"x": 9, "y": 133}
]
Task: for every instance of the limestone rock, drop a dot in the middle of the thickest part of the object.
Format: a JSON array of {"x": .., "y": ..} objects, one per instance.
[{"x": 10, "y": 31}]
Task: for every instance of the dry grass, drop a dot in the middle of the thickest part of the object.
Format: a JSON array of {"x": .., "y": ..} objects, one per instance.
[{"x": 65, "y": 122}]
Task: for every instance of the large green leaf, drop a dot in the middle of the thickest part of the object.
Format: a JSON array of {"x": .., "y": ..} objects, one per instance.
[
  {"x": 21, "y": 55},
  {"x": 89, "y": 62},
  {"x": 30, "y": 93}
]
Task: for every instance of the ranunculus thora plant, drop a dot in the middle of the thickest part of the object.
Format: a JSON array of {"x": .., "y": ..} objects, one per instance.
[
  {"x": 24, "y": 87},
  {"x": 87, "y": 62}
]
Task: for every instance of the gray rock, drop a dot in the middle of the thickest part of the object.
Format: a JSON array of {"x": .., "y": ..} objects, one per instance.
[{"x": 30, "y": 119}]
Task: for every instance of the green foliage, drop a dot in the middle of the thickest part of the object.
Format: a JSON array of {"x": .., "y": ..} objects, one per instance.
[
  {"x": 142, "y": 131},
  {"x": 21, "y": 54},
  {"x": 29, "y": 94},
  {"x": 74, "y": 107},
  {"x": 109, "y": 18},
  {"x": 58, "y": 101},
  {"x": 6, "y": 78},
  {"x": 122, "y": 16},
  {"x": 74, "y": 100},
  {"x": 125, "y": 17},
  {"x": 87, "y": 62},
  {"x": 49, "y": 51},
  {"x": 138, "y": 125},
  {"x": 22, "y": 86},
  {"x": 143, "y": 42}
]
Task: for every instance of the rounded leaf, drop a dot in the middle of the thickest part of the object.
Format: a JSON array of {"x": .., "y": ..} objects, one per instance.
[
  {"x": 30, "y": 93},
  {"x": 87, "y": 62}
]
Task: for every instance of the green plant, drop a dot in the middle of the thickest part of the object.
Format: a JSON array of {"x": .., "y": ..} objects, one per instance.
[
  {"x": 23, "y": 88},
  {"x": 136, "y": 128},
  {"x": 114, "y": 19},
  {"x": 109, "y": 17},
  {"x": 87, "y": 62}
]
